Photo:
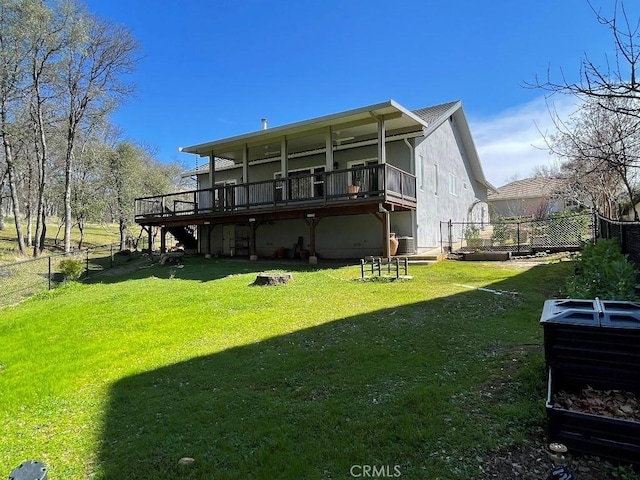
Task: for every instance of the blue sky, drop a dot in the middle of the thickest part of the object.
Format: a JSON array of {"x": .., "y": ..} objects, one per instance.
[{"x": 213, "y": 69}]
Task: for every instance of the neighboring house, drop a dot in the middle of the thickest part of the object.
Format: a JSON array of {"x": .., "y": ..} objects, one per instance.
[
  {"x": 628, "y": 214},
  {"x": 531, "y": 197},
  {"x": 335, "y": 186}
]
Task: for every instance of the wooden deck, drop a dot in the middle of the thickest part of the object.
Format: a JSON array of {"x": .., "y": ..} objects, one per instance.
[{"x": 341, "y": 192}]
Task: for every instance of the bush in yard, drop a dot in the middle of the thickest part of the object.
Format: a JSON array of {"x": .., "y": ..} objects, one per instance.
[
  {"x": 472, "y": 236},
  {"x": 603, "y": 271},
  {"x": 500, "y": 233},
  {"x": 71, "y": 268}
]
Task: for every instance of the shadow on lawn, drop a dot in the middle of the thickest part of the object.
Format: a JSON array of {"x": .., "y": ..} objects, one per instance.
[
  {"x": 202, "y": 269},
  {"x": 376, "y": 389}
]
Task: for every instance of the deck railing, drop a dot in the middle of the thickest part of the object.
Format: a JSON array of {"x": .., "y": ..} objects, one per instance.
[{"x": 367, "y": 183}]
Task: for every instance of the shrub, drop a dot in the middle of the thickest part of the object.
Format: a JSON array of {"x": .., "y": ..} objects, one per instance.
[
  {"x": 603, "y": 271},
  {"x": 500, "y": 233},
  {"x": 71, "y": 268},
  {"x": 472, "y": 236}
]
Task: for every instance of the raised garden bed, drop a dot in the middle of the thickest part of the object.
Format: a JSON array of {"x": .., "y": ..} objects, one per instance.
[{"x": 487, "y": 256}]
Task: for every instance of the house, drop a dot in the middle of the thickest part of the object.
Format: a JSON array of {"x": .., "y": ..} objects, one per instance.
[
  {"x": 336, "y": 186},
  {"x": 531, "y": 197}
]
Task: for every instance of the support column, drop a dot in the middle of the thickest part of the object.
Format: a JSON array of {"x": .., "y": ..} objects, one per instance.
[
  {"x": 312, "y": 222},
  {"x": 207, "y": 228},
  {"x": 383, "y": 216},
  {"x": 328, "y": 165},
  {"x": 253, "y": 226},
  {"x": 150, "y": 231},
  {"x": 163, "y": 240},
  {"x": 212, "y": 180},
  {"x": 284, "y": 167},
  {"x": 382, "y": 141},
  {"x": 245, "y": 163}
]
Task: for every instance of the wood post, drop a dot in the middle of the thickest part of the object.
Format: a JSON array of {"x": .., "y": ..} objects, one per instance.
[
  {"x": 384, "y": 219},
  {"x": 163, "y": 239},
  {"x": 253, "y": 226},
  {"x": 312, "y": 222},
  {"x": 150, "y": 231}
]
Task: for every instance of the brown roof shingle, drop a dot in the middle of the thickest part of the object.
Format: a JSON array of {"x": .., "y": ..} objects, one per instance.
[{"x": 530, "y": 188}]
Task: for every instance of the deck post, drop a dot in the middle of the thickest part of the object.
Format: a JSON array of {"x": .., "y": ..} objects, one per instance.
[
  {"x": 328, "y": 165},
  {"x": 383, "y": 215},
  {"x": 212, "y": 180},
  {"x": 252, "y": 239},
  {"x": 245, "y": 164},
  {"x": 150, "y": 231},
  {"x": 382, "y": 147},
  {"x": 312, "y": 221},
  {"x": 163, "y": 239},
  {"x": 284, "y": 166}
]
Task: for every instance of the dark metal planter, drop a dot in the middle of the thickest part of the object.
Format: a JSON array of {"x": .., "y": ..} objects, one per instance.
[{"x": 592, "y": 343}]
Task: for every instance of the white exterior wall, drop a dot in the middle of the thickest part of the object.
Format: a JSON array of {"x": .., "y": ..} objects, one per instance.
[
  {"x": 354, "y": 236},
  {"x": 443, "y": 157}
]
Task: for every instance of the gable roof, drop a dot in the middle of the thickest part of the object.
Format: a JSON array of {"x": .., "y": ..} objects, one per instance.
[
  {"x": 535, "y": 187},
  {"x": 438, "y": 114},
  {"x": 221, "y": 164},
  {"x": 432, "y": 114}
]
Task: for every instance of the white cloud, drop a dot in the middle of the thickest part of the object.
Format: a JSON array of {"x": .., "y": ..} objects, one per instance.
[{"x": 511, "y": 143}]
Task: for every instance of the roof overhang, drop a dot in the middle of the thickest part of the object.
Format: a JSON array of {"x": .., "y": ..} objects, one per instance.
[{"x": 349, "y": 126}]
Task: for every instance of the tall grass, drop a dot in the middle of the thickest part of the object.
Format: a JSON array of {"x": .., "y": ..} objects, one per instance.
[{"x": 94, "y": 235}]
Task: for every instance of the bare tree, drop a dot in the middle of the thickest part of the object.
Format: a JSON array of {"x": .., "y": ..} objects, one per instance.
[
  {"x": 600, "y": 142},
  {"x": 12, "y": 57},
  {"x": 601, "y": 149},
  {"x": 3, "y": 183},
  {"x": 46, "y": 41},
  {"x": 97, "y": 56},
  {"x": 618, "y": 78}
]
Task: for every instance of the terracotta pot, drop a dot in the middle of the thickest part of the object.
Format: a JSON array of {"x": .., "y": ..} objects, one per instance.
[
  {"x": 393, "y": 244},
  {"x": 353, "y": 190}
]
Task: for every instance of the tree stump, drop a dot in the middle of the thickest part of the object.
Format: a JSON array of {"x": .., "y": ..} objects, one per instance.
[{"x": 269, "y": 278}]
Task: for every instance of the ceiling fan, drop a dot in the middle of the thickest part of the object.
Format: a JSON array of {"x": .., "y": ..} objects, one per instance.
[
  {"x": 339, "y": 139},
  {"x": 270, "y": 153}
]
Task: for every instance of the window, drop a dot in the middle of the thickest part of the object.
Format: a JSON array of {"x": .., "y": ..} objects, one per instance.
[
  {"x": 420, "y": 172},
  {"x": 302, "y": 183},
  {"x": 435, "y": 179},
  {"x": 452, "y": 184},
  {"x": 366, "y": 178}
]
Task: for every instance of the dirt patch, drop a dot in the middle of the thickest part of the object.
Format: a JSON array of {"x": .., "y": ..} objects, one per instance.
[{"x": 529, "y": 461}]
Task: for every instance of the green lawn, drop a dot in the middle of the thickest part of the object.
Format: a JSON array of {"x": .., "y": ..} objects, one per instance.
[{"x": 121, "y": 379}]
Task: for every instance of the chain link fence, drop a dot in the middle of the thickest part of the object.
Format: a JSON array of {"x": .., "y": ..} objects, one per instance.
[
  {"x": 558, "y": 233},
  {"x": 627, "y": 233},
  {"x": 21, "y": 280}
]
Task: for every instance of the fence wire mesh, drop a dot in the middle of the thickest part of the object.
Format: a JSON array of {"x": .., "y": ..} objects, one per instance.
[
  {"x": 627, "y": 233},
  {"x": 24, "y": 279},
  {"x": 565, "y": 232}
]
